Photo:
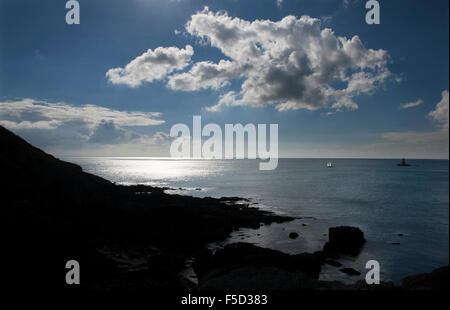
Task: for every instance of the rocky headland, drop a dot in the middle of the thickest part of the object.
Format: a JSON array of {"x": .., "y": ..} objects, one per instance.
[{"x": 139, "y": 237}]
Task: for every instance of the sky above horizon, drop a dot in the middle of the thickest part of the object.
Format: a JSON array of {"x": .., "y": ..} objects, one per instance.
[{"x": 115, "y": 84}]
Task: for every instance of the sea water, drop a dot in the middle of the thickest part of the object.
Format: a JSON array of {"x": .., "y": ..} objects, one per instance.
[{"x": 403, "y": 211}]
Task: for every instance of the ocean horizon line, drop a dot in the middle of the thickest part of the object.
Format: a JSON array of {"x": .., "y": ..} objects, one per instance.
[{"x": 225, "y": 159}]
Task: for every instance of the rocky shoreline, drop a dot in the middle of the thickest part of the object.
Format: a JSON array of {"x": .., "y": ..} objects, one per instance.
[
  {"x": 138, "y": 238},
  {"x": 244, "y": 266}
]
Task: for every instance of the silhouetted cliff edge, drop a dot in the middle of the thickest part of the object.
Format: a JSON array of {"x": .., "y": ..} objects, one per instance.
[{"x": 55, "y": 212}]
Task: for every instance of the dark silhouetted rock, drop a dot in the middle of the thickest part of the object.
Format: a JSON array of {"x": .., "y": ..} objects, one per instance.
[
  {"x": 332, "y": 255},
  {"x": 436, "y": 280},
  {"x": 383, "y": 286},
  {"x": 239, "y": 255},
  {"x": 203, "y": 262},
  {"x": 333, "y": 263},
  {"x": 162, "y": 264},
  {"x": 344, "y": 239},
  {"x": 293, "y": 235},
  {"x": 253, "y": 278},
  {"x": 55, "y": 212},
  {"x": 350, "y": 271}
]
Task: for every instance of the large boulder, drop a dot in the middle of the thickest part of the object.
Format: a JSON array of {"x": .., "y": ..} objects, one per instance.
[
  {"x": 344, "y": 239},
  {"x": 244, "y": 255}
]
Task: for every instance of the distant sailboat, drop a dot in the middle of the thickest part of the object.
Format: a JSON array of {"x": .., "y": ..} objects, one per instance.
[{"x": 329, "y": 164}]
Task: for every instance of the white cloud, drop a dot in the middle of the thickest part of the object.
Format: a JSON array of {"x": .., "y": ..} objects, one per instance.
[
  {"x": 411, "y": 104},
  {"x": 228, "y": 99},
  {"x": 30, "y": 113},
  {"x": 206, "y": 74},
  {"x": 57, "y": 124},
  {"x": 347, "y": 3},
  {"x": 151, "y": 65},
  {"x": 327, "y": 19},
  {"x": 162, "y": 137},
  {"x": 291, "y": 63},
  {"x": 107, "y": 132},
  {"x": 440, "y": 114}
]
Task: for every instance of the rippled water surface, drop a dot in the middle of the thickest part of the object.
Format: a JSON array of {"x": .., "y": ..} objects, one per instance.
[{"x": 391, "y": 204}]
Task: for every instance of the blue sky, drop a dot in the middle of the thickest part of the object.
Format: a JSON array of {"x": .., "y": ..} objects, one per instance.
[{"x": 59, "y": 90}]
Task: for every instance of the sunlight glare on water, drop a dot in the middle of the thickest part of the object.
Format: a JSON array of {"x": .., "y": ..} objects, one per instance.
[
  {"x": 402, "y": 211},
  {"x": 144, "y": 170}
]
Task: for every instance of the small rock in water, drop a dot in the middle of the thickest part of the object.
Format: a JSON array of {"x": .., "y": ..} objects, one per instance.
[
  {"x": 293, "y": 235},
  {"x": 304, "y": 225},
  {"x": 351, "y": 271}
]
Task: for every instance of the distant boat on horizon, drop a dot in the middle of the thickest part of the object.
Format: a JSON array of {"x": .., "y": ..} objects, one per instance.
[
  {"x": 330, "y": 164},
  {"x": 403, "y": 163}
]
